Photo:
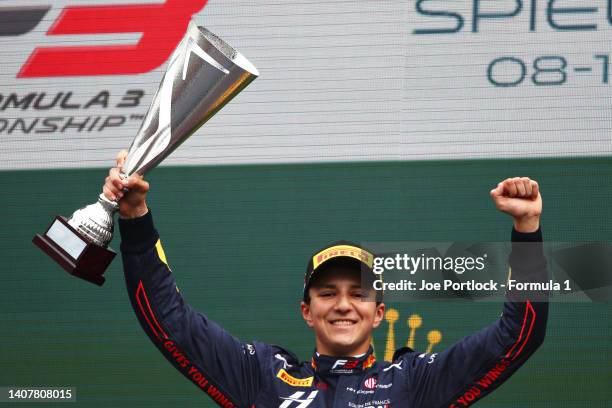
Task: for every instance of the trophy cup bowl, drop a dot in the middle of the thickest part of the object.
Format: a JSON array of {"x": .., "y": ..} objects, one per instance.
[{"x": 203, "y": 75}]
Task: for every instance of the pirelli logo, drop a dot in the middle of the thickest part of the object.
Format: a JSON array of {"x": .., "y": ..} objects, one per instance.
[
  {"x": 291, "y": 380},
  {"x": 343, "y": 250}
]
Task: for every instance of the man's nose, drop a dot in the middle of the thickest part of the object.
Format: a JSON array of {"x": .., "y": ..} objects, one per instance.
[{"x": 343, "y": 303}]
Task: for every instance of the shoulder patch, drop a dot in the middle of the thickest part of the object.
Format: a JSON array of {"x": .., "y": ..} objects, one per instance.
[{"x": 291, "y": 380}]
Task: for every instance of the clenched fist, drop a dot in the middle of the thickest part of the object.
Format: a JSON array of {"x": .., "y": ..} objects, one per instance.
[
  {"x": 129, "y": 192},
  {"x": 520, "y": 197}
]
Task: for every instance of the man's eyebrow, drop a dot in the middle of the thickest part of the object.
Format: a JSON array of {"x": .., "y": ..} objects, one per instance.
[
  {"x": 326, "y": 286},
  {"x": 333, "y": 286}
]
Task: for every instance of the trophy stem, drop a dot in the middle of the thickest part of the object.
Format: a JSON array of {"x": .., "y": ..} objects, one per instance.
[{"x": 96, "y": 221}]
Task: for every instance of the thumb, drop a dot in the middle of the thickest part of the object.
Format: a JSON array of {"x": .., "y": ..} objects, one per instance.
[
  {"x": 497, "y": 191},
  {"x": 121, "y": 156}
]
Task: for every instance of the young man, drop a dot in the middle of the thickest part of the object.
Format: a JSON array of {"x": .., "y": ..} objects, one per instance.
[{"x": 343, "y": 371}]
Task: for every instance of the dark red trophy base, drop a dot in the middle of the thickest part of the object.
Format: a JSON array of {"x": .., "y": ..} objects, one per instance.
[{"x": 91, "y": 262}]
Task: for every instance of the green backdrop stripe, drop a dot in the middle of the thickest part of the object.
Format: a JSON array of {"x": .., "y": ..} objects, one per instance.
[{"x": 238, "y": 238}]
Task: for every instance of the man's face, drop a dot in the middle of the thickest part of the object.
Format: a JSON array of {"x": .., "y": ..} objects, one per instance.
[{"x": 342, "y": 321}]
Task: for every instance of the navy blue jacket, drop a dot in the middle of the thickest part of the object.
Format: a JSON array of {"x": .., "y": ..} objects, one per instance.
[{"x": 237, "y": 374}]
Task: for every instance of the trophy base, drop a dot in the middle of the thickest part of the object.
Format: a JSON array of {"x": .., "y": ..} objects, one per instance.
[{"x": 74, "y": 253}]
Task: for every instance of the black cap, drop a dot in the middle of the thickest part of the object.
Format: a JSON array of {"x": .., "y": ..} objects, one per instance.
[{"x": 340, "y": 252}]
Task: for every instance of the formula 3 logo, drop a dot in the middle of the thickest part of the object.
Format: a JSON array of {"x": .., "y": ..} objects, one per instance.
[{"x": 162, "y": 25}]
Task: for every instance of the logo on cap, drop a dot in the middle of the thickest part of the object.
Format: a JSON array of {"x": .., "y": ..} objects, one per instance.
[{"x": 343, "y": 250}]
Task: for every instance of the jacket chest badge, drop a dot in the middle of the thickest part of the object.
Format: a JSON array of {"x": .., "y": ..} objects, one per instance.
[{"x": 287, "y": 378}]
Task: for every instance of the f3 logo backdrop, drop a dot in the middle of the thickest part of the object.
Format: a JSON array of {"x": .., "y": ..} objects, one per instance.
[{"x": 162, "y": 26}]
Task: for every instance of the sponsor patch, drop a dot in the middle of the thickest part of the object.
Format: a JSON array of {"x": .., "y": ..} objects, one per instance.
[
  {"x": 370, "y": 383},
  {"x": 287, "y": 378},
  {"x": 343, "y": 250}
]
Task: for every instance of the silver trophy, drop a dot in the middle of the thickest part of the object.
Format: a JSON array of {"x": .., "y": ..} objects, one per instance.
[{"x": 204, "y": 73}]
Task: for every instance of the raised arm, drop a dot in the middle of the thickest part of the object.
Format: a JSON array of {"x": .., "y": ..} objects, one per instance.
[
  {"x": 223, "y": 367},
  {"x": 477, "y": 364}
]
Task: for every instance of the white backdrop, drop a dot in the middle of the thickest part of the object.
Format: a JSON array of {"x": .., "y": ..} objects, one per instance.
[{"x": 345, "y": 81}]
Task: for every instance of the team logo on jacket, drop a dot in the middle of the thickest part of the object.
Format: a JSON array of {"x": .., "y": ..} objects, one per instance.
[{"x": 296, "y": 400}]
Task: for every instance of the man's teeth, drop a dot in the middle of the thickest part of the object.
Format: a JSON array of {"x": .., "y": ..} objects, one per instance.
[{"x": 342, "y": 322}]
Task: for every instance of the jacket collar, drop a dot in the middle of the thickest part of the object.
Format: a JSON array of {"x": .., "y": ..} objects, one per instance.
[{"x": 343, "y": 365}]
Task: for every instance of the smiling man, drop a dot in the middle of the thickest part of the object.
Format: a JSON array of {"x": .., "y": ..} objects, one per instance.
[
  {"x": 336, "y": 306},
  {"x": 343, "y": 371}
]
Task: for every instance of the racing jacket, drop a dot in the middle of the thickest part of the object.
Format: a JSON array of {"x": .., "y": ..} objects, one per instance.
[{"x": 238, "y": 374}]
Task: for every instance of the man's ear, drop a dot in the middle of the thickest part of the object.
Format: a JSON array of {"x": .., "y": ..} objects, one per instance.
[
  {"x": 306, "y": 313},
  {"x": 380, "y": 313}
]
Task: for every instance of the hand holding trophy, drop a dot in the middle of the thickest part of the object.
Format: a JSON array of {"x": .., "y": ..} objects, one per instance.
[
  {"x": 203, "y": 74},
  {"x": 130, "y": 193}
]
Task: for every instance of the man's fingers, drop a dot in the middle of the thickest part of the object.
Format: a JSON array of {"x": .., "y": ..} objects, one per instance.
[
  {"x": 535, "y": 189},
  {"x": 114, "y": 187},
  {"x": 145, "y": 186},
  {"x": 510, "y": 188},
  {"x": 520, "y": 188},
  {"x": 109, "y": 193},
  {"x": 528, "y": 187},
  {"x": 516, "y": 187},
  {"x": 114, "y": 178},
  {"x": 117, "y": 184}
]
